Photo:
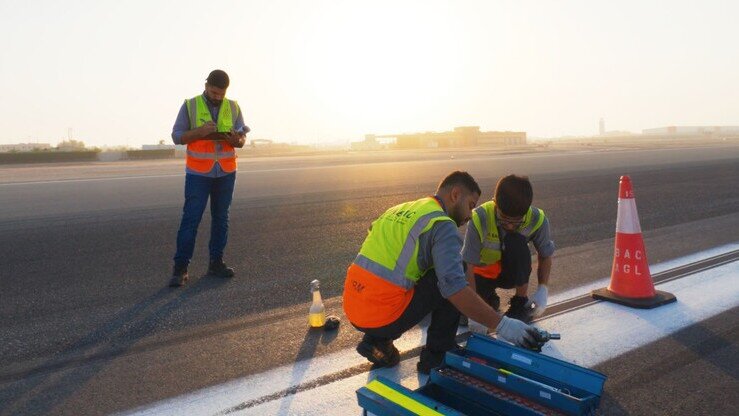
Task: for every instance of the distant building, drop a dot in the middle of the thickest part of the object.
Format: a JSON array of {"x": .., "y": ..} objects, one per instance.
[
  {"x": 716, "y": 131},
  {"x": 602, "y": 127},
  {"x": 466, "y": 136},
  {"x": 616, "y": 133},
  {"x": 369, "y": 143},
  {"x": 24, "y": 147}
]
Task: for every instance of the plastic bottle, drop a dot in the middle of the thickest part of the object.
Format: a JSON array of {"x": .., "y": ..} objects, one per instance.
[{"x": 317, "y": 312}]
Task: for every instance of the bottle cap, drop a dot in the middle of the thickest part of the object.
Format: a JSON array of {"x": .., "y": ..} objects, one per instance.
[{"x": 332, "y": 322}]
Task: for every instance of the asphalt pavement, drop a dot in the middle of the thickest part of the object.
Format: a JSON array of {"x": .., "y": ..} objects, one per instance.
[{"x": 89, "y": 326}]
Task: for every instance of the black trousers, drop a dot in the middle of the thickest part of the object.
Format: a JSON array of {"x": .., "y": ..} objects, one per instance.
[
  {"x": 426, "y": 299},
  {"x": 515, "y": 269}
]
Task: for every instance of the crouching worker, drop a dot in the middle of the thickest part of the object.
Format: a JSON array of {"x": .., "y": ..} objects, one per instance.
[
  {"x": 497, "y": 253},
  {"x": 410, "y": 265}
]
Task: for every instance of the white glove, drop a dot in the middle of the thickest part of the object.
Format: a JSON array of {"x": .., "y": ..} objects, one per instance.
[
  {"x": 518, "y": 333},
  {"x": 476, "y": 327},
  {"x": 539, "y": 300}
]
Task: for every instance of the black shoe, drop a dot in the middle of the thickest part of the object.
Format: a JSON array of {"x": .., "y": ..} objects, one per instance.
[
  {"x": 518, "y": 309},
  {"x": 429, "y": 360},
  {"x": 218, "y": 268},
  {"x": 382, "y": 354},
  {"x": 179, "y": 276},
  {"x": 494, "y": 301}
]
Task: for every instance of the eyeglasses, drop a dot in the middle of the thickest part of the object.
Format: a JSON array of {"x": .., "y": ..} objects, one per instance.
[{"x": 514, "y": 221}]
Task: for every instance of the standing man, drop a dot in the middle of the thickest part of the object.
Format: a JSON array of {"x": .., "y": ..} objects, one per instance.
[
  {"x": 212, "y": 127},
  {"x": 410, "y": 265},
  {"x": 497, "y": 253}
]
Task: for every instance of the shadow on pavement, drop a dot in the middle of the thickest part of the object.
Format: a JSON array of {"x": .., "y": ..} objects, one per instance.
[
  {"x": 313, "y": 337},
  {"x": 45, "y": 388}
]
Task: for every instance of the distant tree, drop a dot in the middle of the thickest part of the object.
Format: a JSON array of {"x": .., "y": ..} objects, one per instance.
[{"x": 71, "y": 145}]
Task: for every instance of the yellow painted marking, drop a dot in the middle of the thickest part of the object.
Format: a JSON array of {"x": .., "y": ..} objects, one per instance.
[{"x": 401, "y": 400}]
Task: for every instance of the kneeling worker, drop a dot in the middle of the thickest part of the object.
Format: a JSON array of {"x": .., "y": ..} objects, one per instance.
[
  {"x": 410, "y": 265},
  {"x": 497, "y": 253}
]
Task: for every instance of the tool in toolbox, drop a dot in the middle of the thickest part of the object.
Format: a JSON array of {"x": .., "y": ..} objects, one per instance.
[
  {"x": 491, "y": 377},
  {"x": 545, "y": 337}
]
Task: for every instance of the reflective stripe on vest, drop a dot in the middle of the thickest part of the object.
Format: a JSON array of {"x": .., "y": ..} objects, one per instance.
[
  {"x": 391, "y": 248},
  {"x": 484, "y": 221},
  {"x": 380, "y": 282},
  {"x": 203, "y": 154}
]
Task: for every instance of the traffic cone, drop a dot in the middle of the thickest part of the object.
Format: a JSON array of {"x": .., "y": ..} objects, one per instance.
[{"x": 631, "y": 283}]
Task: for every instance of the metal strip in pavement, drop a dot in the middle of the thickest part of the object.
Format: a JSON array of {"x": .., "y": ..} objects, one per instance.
[
  {"x": 554, "y": 310},
  {"x": 227, "y": 390},
  {"x": 590, "y": 336}
]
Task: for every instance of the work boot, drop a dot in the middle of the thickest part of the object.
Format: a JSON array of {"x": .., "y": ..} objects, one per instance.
[
  {"x": 493, "y": 300},
  {"x": 381, "y": 354},
  {"x": 179, "y": 276},
  {"x": 518, "y": 309},
  {"x": 218, "y": 268},
  {"x": 430, "y": 360}
]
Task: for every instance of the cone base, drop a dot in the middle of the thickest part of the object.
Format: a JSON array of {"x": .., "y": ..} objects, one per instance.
[{"x": 660, "y": 298}]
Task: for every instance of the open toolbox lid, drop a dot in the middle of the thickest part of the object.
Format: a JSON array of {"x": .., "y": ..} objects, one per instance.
[
  {"x": 490, "y": 377},
  {"x": 537, "y": 366}
]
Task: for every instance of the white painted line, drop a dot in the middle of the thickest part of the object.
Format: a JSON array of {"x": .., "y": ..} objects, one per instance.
[
  {"x": 109, "y": 178},
  {"x": 245, "y": 169},
  {"x": 590, "y": 336},
  {"x": 653, "y": 269}
]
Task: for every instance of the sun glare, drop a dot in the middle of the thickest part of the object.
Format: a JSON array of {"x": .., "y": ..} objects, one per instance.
[{"x": 371, "y": 63}]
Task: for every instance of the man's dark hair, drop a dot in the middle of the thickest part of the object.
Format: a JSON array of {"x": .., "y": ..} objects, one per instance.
[
  {"x": 513, "y": 195},
  {"x": 458, "y": 178},
  {"x": 218, "y": 78}
]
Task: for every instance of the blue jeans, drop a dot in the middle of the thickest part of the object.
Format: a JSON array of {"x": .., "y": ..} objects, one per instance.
[{"x": 197, "y": 191}]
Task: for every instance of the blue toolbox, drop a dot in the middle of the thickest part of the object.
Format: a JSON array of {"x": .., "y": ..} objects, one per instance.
[{"x": 490, "y": 377}]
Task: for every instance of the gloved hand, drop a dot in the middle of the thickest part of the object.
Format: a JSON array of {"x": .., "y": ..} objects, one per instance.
[
  {"x": 519, "y": 333},
  {"x": 476, "y": 327},
  {"x": 539, "y": 300}
]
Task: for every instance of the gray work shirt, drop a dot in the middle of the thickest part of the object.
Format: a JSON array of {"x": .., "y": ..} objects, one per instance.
[
  {"x": 441, "y": 247},
  {"x": 473, "y": 246}
]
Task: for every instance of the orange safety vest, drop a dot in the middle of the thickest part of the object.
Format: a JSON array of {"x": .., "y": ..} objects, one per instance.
[
  {"x": 380, "y": 283},
  {"x": 490, "y": 271},
  {"x": 370, "y": 302},
  {"x": 202, "y": 154},
  {"x": 484, "y": 221}
]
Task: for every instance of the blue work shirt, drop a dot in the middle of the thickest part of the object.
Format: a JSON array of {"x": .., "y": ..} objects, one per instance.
[{"x": 182, "y": 125}]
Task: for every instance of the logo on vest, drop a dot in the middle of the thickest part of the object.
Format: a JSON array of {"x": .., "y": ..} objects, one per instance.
[
  {"x": 400, "y": 216},
  {"x": 357, "y": 286},
  {"x": 629, "y": 262}
]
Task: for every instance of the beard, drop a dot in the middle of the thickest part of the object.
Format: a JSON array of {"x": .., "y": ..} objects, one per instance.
[{"x": 457, "y": 214}]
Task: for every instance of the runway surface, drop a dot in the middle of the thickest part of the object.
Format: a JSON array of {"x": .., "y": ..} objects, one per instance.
[
  {"x": 89, "y": 324},
  {"x": 636, "y": 349}
]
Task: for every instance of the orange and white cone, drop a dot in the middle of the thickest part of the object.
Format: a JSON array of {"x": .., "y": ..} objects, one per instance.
[{"x": 631, "y": 283}]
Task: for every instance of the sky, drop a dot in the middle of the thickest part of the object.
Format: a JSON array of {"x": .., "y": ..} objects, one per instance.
[{"x": 318, "y": 72}]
